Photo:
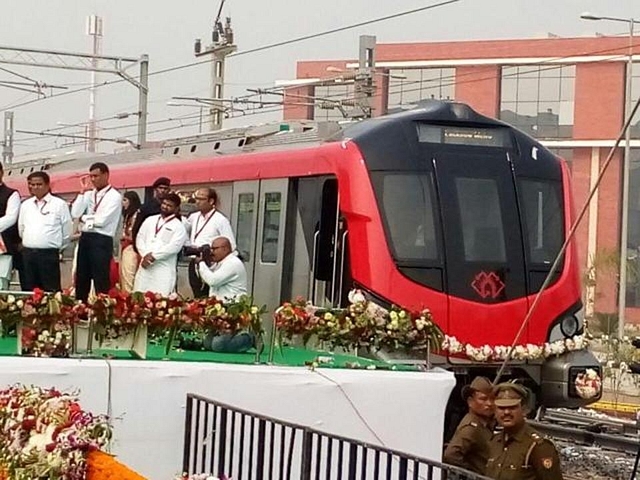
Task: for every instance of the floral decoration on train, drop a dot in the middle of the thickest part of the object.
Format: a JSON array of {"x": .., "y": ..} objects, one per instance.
[
  {"x": 588, "y": 384},
  {"x": 487, "y": 353},
  {"x": 361, "y": 324}
]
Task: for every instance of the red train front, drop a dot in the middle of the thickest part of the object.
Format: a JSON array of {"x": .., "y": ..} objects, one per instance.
[{"x": 469, "y": 216}]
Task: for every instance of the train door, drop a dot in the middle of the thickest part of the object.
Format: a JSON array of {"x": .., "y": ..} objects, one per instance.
[
  {"x": 244, "y": 223},
  {"x": 483, "y": 244},
  {"x": 259, "y": 221},
  {"x": 330, "y": 279}
]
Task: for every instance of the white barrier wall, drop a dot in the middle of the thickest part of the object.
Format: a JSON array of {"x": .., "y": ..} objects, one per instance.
[{"x": 400, "y": 410}]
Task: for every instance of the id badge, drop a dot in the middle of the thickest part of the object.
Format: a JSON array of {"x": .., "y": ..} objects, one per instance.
[{"x": 89, "y": 222}]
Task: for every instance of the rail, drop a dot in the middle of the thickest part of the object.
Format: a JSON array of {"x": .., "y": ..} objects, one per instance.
[
  {"x": 604, "y": 440},
  {"x": 223, "y": 440},
  {"x": 597, "y": 424}
]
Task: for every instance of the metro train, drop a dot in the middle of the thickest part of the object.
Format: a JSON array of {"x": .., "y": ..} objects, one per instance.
[{"x": 436, "y": 207}]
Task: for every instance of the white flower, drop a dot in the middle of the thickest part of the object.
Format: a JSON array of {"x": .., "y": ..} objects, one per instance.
[
  {"x": 11, "y": 299},
  {"x": 20, "y": 303},
  {"x": 356, "y": 296},
  {"x": 254, "y": 310}
]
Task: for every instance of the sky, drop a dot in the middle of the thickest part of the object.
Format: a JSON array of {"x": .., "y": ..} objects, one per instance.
[{"x": 165, "y": 30}]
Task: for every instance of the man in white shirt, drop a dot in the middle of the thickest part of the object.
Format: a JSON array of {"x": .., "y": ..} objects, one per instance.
[
  {"x": 203, "y": 226},
  {"x": 9, "y": 239},
  {"x": 159, "y": 241},
  {"x": 45, "y": 227},
  {"x": 99, "y": 211},
  {"x": 227, "y": 281},
  {"x": 227, "y": 278}
]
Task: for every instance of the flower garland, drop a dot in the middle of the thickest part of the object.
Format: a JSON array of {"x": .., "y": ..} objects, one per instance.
[
  {"x": 44, "y": 433},
  {"x": 364, "y": 323},
  {"x": 487, "y": 353}
]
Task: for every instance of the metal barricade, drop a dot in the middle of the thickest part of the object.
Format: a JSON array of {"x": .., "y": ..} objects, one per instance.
[{"x": 226, "y": 441}]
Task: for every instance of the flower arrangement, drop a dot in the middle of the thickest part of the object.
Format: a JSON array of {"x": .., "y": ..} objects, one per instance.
[
  {"x": 361, "y": 324},
  {"x": 44, "y": 433},
  {"x": 588, "y": 384},
  {"x": 46, "y": 322}
]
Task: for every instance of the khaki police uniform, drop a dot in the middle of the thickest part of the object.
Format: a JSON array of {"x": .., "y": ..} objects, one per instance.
[
  {"x": 469, "y": 447},
  {"x": 524, "y": 454}
]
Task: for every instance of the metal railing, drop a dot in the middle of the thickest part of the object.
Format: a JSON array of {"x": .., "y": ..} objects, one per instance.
[{"x": 223, "y": 440}]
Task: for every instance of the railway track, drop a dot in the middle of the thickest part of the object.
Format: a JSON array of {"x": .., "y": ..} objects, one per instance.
[
  {"x": 596, "y": 424},
  {"x": 576, "y": 427},
  {"x": 617, "y": 442}
]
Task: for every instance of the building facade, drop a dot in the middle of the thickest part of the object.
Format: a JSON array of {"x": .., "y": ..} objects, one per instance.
[{"x": 567, "y": 92}]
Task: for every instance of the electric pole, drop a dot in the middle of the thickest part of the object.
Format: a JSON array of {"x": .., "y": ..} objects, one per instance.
[
  {"x": 364, "y": 85},
  {"x": 94, "y": 30},
  {"x": 222, "y": 45}
]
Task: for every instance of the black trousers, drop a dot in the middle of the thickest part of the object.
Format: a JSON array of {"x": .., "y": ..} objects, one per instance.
[
  {"x": 95, "y": 252},
  {"x": 41, "y": 269},
  {"x": 198, "y": 287}
]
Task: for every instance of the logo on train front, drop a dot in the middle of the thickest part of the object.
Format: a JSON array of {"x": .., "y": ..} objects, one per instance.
[{"x": 488, "y": 285}]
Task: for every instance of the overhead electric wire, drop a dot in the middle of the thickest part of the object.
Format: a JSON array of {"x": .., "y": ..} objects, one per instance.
[{"x": 247, "y": 52}]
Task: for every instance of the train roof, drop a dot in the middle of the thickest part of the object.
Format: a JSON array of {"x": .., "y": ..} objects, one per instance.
[{"x": 278, "y": 136}]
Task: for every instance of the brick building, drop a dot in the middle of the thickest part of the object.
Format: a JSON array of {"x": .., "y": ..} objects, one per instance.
[{"x": 567, "y": 92}]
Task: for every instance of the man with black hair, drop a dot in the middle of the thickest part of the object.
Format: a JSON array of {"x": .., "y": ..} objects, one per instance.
[
  {"x": 203, "y": 227},
  {"x": 161, "y": 187},
  {"x": 99, "y": 210},
  {"x": 9, "y": 238},
  {"x": 45, "y": 227},
  {"x": 159, "y": 241}
]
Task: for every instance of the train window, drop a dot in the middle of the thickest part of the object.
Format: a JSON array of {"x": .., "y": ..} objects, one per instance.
[
  {"x": 481, "y": 217},
  {"x": 271, "y": 227},
  {"x": 543, "y": 219},
  {"x": 245, "y": 225},
  {"x": 455, "y": 135},
  {"x": 408, "y": 210}
]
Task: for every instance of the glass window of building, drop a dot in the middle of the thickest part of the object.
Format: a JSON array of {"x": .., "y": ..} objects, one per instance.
[
  {"x": 326, "y": 101},
  {"x": 635, "y": 94},
  {"x": 538, "y": 99},
  {"x": 633, "y": 232},
  {"x": 410, "y": 85}
]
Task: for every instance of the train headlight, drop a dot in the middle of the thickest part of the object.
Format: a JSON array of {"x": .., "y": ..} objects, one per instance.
[{"x": 569, "y": 326}]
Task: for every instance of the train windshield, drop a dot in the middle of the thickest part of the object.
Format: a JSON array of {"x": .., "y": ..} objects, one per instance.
[
  {"x": 407, "y": 204},
  {"x": 543, "y": 219}
]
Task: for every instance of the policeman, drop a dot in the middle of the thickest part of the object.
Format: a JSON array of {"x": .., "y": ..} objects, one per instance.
[
  {"x": 518, "y": 452},
  {"x": 469, "y": 447}
]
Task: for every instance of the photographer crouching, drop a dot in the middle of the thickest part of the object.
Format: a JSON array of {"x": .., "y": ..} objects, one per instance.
[{"x": 226, "y": 277}]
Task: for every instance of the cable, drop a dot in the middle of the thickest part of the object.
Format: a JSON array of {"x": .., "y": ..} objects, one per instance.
[
  {"x": 565, "y": 245},
  {"x": 247, "y": 52}
]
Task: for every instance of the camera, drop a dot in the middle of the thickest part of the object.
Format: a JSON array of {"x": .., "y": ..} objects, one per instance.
[{"x": 206, "y": 253}]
